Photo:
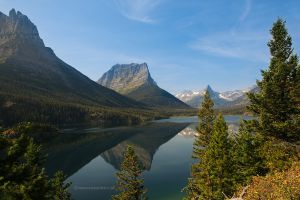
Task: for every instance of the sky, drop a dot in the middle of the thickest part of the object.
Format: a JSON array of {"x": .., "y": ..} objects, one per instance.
[{"x": 187, "y": 44}]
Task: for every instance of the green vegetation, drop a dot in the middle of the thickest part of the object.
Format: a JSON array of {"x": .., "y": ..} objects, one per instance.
[
  {"x": 205, "y": 129},
  {"x": 22, "y": 175},
  {"x": 211, "y": 172},
  {"x": 216, "y": 164},
  {"x": 130, "y": 186},
  {"x": 263, "y": 154},
  {"x": 206, "y": 122},
  {"x": 246, "y": 159},
  {"x": 272, "y": 133},
  {"x": 15, "y": 109},
  {"x": 275, "y": 104}
]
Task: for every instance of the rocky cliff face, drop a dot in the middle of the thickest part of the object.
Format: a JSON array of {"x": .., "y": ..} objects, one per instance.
[
  {"x": 18, "y": 35},
  {"x": 126, "y": 77},
  {"x": 134, "y": 80}
]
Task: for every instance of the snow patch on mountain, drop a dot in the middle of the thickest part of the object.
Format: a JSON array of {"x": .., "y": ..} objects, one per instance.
[{"x": 227, "y": 98}]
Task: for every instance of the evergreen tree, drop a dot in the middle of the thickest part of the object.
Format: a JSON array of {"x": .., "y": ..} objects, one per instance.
[
  {"x": 130, "y": 186},
  {"x": 21, "y": 173},
  {"x": 213, "y": 178},
  {"x": 275, "y": 104},
  {"x": 60, "y": 189},
  {"x": 216, "y": 163},
  {"x": 246, "y": 157},
  {"x": 296, "y": 94},
  {"x": 206, "y": 119}
]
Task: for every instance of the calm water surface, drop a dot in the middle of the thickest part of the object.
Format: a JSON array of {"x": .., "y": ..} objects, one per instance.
[{"x": 91, "y": 157}]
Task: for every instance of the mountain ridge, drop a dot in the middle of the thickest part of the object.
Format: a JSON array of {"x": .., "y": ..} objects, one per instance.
[{"x": 221, "y": 99}]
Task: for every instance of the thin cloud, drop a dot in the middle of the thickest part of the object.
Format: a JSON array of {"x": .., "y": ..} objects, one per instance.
[
  {"x": 246, "y": 11},
  {"x": 246, "y": 46},
  {"x": 137, "y": 10}
]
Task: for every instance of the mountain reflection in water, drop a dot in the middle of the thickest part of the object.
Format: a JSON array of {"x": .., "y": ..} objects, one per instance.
[
  {"x": 91, "y": 157},
  {"x": 74, "y": 149}
]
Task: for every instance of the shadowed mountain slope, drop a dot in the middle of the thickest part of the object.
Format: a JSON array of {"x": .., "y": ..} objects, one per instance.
[{"x": 32, "y": 76}]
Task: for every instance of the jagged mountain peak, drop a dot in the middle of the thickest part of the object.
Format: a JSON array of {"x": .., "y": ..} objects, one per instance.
[
  {"x": 221, "y": 99},
  {"x": 14, "y": 14},
  {"x": 17, "y": 23},
  {"x": 208, "y": 87},
  {"x": 19, "y": 37},
  {"x": 210, "y": 90}
]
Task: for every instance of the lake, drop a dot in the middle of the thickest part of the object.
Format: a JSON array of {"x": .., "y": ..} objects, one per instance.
[{"x": 91, "y": 157}]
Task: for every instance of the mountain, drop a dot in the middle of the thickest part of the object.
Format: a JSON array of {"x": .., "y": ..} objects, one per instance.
[
  {"x": 134, "y": 80},
  {"x": 126, "y": 78},
  {"x": 194, "y": 98},
  {"x": 221, "y": 99},
  {"x": 32, "y": 76}
]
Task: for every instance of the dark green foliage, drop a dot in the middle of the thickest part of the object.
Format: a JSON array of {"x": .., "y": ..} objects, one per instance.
[
  {"x": 130, "y": 186},
  {"x": 206, "y": 118},
  {"x": 60, "y": 189},
  {"x": 211, "y": 177},
  {"x": 18, "y": 109},
  {"x": 261, "y": 147},
  {"x": 296, "y": 92},
  {"x": 275, "y": 104},
  {"x": 276, "y": 154},
  {"x": 21, "y": 172},
  {"x": 296, "y": 95},
  {"x": 14, "y": 110},
  {"x": 205, "y": 127},
  {"x": 246, "y": 157},
  {"x": 217, "y": 163}
]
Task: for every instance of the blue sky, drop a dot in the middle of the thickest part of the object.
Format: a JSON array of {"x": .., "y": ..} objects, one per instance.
[{"x": 186, "y": 43}]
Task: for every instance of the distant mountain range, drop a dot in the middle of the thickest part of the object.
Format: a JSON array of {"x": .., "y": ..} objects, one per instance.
[
  {"x": 221, "y": 99},
  {"x": 134, "y": 80}
]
